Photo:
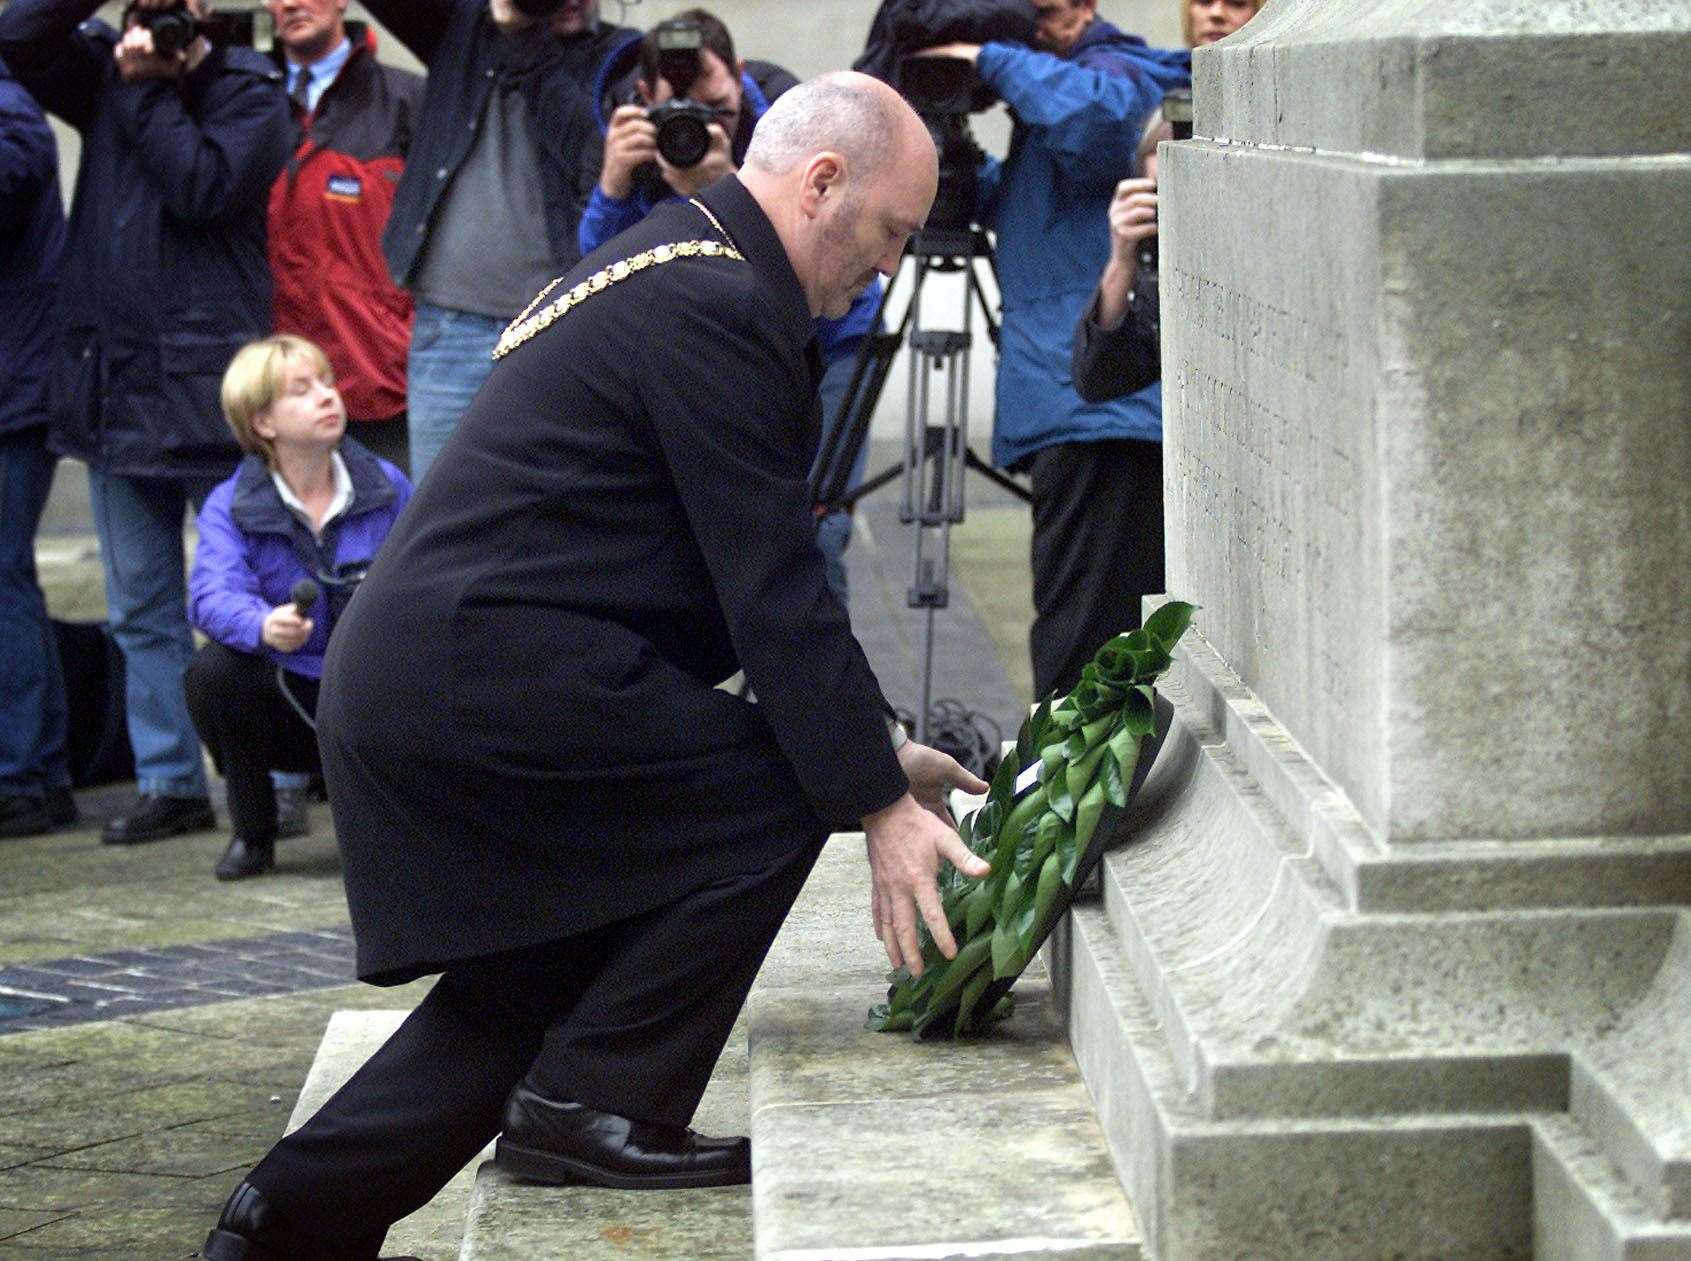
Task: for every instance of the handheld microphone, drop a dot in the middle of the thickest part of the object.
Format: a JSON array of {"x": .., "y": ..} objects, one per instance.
[{"x": 305, "y": 595}]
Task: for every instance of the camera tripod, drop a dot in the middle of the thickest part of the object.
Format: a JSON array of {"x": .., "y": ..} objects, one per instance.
[{"x": 936, "y": 455}]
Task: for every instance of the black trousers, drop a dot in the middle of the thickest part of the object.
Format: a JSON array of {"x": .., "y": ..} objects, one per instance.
[
  {"x": 1097, "y": 550},
  {"x": 240, "y": 712},
  {"x": 629, "y": 1018}
]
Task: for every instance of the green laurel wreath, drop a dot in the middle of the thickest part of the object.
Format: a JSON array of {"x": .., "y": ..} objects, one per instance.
[{"x": 1089, "y": 743}]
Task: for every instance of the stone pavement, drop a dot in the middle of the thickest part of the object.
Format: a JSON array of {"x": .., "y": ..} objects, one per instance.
[{"x": 156, "y": 1026}]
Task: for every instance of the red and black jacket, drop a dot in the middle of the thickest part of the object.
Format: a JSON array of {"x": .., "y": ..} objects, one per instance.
[{"x": 327, "y": 212}]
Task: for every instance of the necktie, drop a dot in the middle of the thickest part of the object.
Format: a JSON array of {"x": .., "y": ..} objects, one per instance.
[{"x": 300, "y": 94}]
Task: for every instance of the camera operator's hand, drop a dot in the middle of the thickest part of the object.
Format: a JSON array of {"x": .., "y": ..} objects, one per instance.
[
  {"x": 137, "y": 61},
  {"x": 1133, "y": 219},
  {"x": 906, "y": 842},
  {"x": 631, "y": 141},
  {"x": 717, "y": 162},
  {"x": 285, "y": 630},
  {"x": 962, "y": 52}
]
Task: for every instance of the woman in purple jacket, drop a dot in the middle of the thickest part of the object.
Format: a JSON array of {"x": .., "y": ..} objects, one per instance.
[{"x": 307, "y": 504}]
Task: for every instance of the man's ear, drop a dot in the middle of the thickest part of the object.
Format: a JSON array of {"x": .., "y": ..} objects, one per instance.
[
  {"x": 643, "y": 91},
  {"x": 262, "y": 426},
  {"x": 824, "y": 176}
]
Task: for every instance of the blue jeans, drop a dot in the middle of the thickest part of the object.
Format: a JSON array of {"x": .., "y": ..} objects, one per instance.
[
  {"x": 833, "y": 533},
  {"x": 139, "y": 520},
  {"x": 451, "y": 355},
  {"x": 32, "y": 685}
]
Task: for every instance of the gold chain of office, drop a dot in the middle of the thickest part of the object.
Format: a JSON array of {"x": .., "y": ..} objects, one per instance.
[{"x": 531, "y": 323}]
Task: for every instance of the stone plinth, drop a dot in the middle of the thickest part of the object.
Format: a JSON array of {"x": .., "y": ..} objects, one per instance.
[
  {"x": 1398, "y": 961},
  {"x": 1429, "y": 422}
]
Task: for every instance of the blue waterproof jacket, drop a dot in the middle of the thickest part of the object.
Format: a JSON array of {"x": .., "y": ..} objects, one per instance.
[
  {"x": 166, "y": 274},
  {"x": 32, "y": 238},
  {"x": 1078, "y": 120},
  {"x": 252, "y": 550},
  {"x": 606, "y": 216}
]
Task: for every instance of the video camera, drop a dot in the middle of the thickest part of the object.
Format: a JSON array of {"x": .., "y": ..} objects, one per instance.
[{"x": 174, "y": 28}]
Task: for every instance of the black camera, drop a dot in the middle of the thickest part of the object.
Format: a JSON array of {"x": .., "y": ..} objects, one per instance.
[
  {"x": 1177, "y": 113},
  {"x": 172, "y": 29},
  {"x": 683, "y": 130}
]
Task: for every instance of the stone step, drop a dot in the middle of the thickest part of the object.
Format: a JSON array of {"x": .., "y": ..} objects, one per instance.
[
  {"x": 434, "y": 1231},
  {"x": 1318, "y": 1187},
  {"x": 1271, "y": 1004},
  {"x": 869, "y": 1145},
  {"x": 1585, "y": 1208},
  {"x": 517, "y": 1221}
]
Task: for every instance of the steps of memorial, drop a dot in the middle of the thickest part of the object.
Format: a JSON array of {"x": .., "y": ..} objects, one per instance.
[
  {"x": 1468, "y": 874},
  {"x": 433, "y": 1232},
  {"x": 509, "y": 1220},
  {"x": 1586, "y": 1209},
  {"x": 871, "y": 1145},
  {"x": 1285, "y": 1000},
  {"x": 1486, "y": 1168}
]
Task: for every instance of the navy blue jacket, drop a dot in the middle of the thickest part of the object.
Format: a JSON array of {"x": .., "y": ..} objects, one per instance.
[
  {"x": 1078, "y": 120},
  {"x": 166, "y": 275},
  {"x": 32, "y": 238},
  {"x": 466, "y": 55}
]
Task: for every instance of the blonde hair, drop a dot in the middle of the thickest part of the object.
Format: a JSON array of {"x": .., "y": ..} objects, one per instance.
[
  {"x": 1190, "y": 35},
  {"x": 254, "y": 380}
]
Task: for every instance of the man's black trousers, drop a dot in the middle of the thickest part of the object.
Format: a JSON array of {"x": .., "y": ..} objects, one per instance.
[
  {"x": 629, "y": 1018},
  {"x": 240, "y": 712},
  {"x": 1097, "y": 550}
]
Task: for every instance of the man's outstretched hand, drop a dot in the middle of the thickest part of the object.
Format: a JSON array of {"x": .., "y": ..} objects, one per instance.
[{"x": 906, "y": 842}]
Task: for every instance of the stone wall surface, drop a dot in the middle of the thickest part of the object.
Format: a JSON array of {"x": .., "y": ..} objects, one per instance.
[{"x": 1397, "y": 960}]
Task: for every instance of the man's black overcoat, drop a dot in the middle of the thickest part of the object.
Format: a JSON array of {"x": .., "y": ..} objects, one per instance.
[{"x": 519, "y": 728}]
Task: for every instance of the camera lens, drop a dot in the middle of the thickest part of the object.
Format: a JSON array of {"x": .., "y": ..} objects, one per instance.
[
  {"x": 172, "y": 30},
  {"x": 683, "y": 139}
]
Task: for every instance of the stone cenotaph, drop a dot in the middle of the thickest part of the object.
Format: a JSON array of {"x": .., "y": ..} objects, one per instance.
[{"x": 1397, "y": 963}]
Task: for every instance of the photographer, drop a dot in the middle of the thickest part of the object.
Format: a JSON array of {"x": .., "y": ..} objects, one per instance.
[
  {"x": 165, "y": 276},
  {"x": 303, "y": 491},
  {"x": 34, "y": 774},
  {"x": 1078, "y": 102},
  {"x": 1117, "y": 348},
  {"x": 501, "y": 160},
  {"x": 691, "y": 59},
  {"x": 353, "y": 119}
]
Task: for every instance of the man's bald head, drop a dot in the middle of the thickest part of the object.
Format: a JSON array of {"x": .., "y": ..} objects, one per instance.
[
  {"x": 852, "y": 114},
  {"x": 846, "y": 172}
]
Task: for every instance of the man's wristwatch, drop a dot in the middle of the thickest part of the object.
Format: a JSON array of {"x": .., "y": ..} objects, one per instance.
[{"x": 899, "y": 735}]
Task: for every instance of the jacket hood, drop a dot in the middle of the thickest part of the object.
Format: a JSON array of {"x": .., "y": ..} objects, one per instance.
[
  {"x": 258, "y": 509},
  {"x": 1168, "y": 68},
  {"x": 621, "y": 64}
]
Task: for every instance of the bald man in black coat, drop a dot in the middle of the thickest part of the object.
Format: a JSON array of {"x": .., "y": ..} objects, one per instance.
[{"x": 537, "y": 789}]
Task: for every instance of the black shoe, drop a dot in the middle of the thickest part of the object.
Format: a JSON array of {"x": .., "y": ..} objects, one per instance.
[
  {"x": 293, "y": 817},
  {"x": 24, "y": 816},
  {"x": 251, "y": 1230},
  {"x": 156, "y": 817},
  {"x": 556, "y": 1141},
  {"x": 245, "y": 858},
  {"x": 61, "y": 807}
]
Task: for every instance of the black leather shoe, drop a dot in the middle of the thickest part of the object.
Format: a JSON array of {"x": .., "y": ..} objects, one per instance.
[
  {"x": 61, "y": 807},
  {"x": 154, "y": 818},
  {"x": 556, "y": 1141},
  {"x": 245, "y": 858},
  {"x": 293, "y": 816},
  {"x": 24, "y": 816},
  {"x": 252, "y": 1230}
]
